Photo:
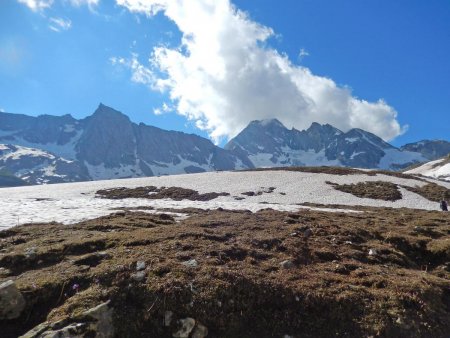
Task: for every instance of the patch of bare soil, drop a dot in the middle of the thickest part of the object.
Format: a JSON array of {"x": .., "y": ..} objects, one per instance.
[
  {"x": 380, "y": 190},
  {"x": 431, "y": 191},
  {"x": 384, "y": 272},
  {"x": 152, "y": 192}
]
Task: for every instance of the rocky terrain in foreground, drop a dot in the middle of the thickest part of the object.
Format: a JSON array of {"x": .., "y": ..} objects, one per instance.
[{"x": 218, "y": 273}]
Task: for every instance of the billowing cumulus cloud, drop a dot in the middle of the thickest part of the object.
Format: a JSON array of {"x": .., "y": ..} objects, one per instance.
[{"x": 224, "y": 75}]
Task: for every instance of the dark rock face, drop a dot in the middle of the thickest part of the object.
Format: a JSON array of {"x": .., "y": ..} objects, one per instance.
[
  {"x": 107, "y": 138},
  {"x": 269, "y": 143},
  {"x": 432, "y": 150},
  {"x": 104, "y": 145}
]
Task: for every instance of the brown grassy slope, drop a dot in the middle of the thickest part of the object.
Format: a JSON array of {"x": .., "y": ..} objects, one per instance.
[
  {"x": 239, "y": 288},
  {"x": 152, "y": 192},
  {"x": 340, "y": 171},
  {"x": 381, "y": 190},
  {"x": 431, "y": 191}
]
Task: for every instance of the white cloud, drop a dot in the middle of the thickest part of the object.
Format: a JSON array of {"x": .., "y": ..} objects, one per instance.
[
  {"x": 37, "y": 5},
  {"x": 303, "y": 52},
  {"x": 90, "y": 3},
  {"x": 140, "y": 73},
  {"x": 223, "y": 75},
  {"x": 59, "y": 24}
]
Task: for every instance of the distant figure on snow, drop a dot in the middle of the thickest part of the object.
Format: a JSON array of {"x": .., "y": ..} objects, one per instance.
[{"x": 444, "y": 206}]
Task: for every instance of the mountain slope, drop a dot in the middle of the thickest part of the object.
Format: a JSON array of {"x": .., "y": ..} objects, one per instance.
[
  {"x": 9, "y": 180},
  {"x": 439, "y": 169},
  {"x": 108, "y": 145},
  {"x": 269, "y": 143},
  {"x": 431, "y": 149},
  {"x": 36, "y": 166}
]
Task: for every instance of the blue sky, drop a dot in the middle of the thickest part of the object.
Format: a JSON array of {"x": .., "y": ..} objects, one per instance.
[{"x": 297, "y": 60}]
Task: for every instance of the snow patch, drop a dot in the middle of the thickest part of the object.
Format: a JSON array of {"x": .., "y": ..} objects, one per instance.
[{"x": 72, "y": 202}]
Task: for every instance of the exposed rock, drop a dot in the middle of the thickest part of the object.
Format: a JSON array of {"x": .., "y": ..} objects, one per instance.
[
  {"x": 12, "y": 302},
  {"x": 103, "y": 315},
  {"x": 287, "y": 264},
  {"x": 96, "y": 322},
  {"x": 139, "y": 276},
  {"x": 187, "y": 325},
  {"x": 168, "y": 318},
  {"x": 200, "y": 331},
  {"x": 192, "y": 263},
  {"x": 140, "y": 265},
  {"x": 31, "y": 253}
]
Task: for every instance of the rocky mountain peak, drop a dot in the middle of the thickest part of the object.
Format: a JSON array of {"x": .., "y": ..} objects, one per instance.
[{"x": 104, "y": 112}]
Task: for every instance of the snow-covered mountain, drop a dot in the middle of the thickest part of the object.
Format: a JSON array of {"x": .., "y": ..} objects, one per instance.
[
  {"x": 36, "y": 166},
  {"x": 105, "y": 145},
  {"x": 269, "y": 143},
  {"x": 439, "y": 169}
]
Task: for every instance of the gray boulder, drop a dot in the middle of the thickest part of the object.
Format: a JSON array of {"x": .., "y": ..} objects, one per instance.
[
  {"x": 12, "y": 302},
  {"x": 96, "y": 322}
]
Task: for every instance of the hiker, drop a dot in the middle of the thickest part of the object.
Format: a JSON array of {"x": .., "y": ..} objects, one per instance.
[{"x": 444, "y": 205}]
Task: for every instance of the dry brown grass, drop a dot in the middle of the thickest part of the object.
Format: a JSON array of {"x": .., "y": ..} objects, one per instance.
[
  {"x": 152, "y": 192},
  {"x": 340, "y": 171},
  {"x": 431, "y": 191},
  {"x": 239, "y": 288},
  {"x": 381, "y": 190}
]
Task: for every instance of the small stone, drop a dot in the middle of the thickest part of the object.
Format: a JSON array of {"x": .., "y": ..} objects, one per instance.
[
  {"x": 4, "y": 272},
  {"x": 168, "y": 318},
  {"x": 372, "y": 252},
  {"x": 192, "y": 263},
  {"x": 140, "y": 265},
  {"x": 187, "y": 325},
  {"x": 103, "y": 254},
  {"x": 305, "y": 230},
  {"x": 31, "y": 253},
  {"x": 287, "y": 264},
  {"x": 139, "y": 276},
  {"x": 200, "y": 331},
  {"x": 84, "y": 268},
  {"x": 307, "y": 233},
  {"x": 12, "y": 302}
]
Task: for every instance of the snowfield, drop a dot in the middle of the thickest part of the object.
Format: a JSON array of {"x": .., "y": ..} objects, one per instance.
[
  {"x": 72, "y": 202},
  {"x": 439, "y": 169}
]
